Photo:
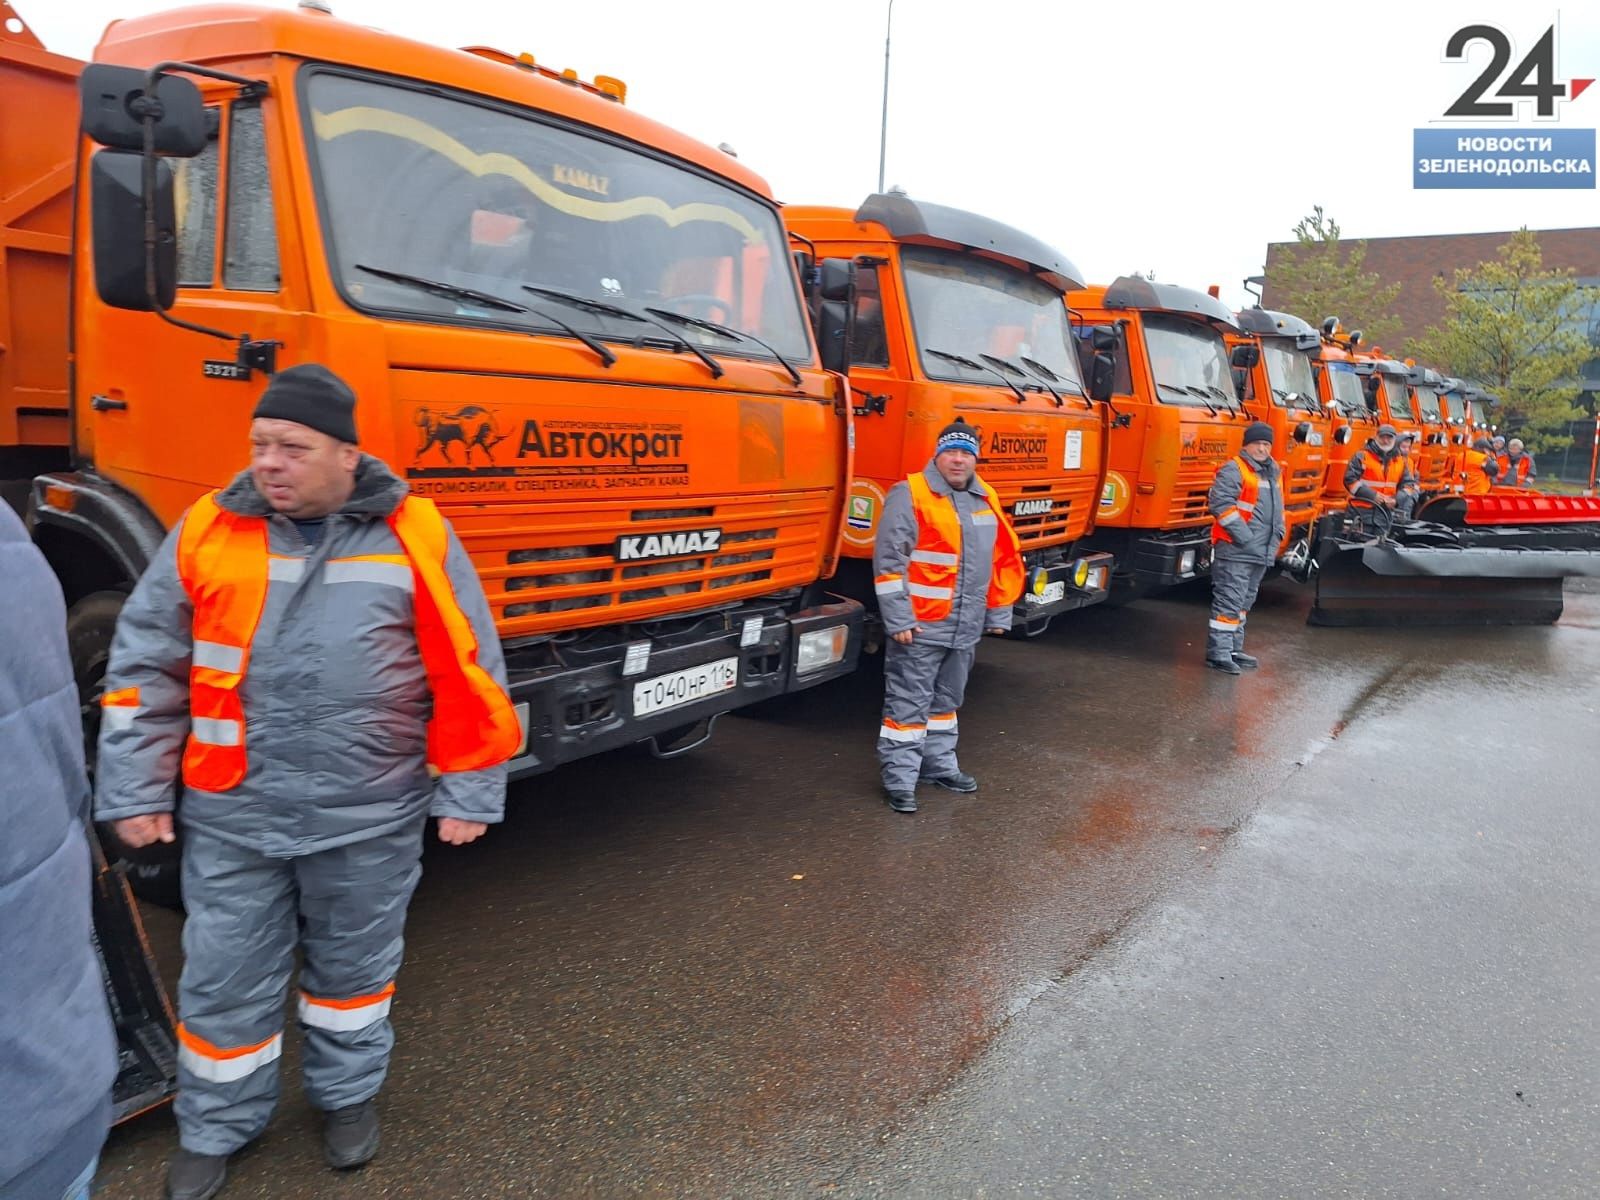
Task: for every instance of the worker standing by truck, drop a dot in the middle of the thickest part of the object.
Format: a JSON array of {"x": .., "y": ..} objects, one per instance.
[
  {"x": 313, "y": 644},
  {"x": 1482, "y": 468},
  {"x": 947, "y": 568},
  {"x": 1246, "y": 504}
]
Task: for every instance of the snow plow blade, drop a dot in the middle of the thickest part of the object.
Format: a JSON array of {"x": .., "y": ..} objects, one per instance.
[
  {"x": 1432, "y": 573},
  {"x": 147, "y": 1048}
]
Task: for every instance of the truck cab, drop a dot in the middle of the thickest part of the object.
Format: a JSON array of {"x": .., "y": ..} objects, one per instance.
[
  {"x": 1352, "y": 411},
  {"x": 1280, "y": 389},
  {"x": 959, "y": 317},
  {"x": 1434, "y": 453},
  {"x": 1174, "y": 419},
  {"x": 576, "y": 330}
]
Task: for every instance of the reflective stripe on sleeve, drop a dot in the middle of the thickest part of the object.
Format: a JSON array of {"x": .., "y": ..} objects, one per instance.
[
  {"x": 1244, "y": 506},
  {"x": 118, "y": 708},
  {"x": 219, "y": 656},
  {"x": 931, "y": 593},
  {"x": 281, "y": 569},
  {"x": 390, "y": 572},
  {"x": 935, "y": 558},
  {"x": 346, "y": 1016},
  {"x": 215, "y": 732},
  {"x": 889, "y": 585},
  {"x": 218, "y": 1064}
]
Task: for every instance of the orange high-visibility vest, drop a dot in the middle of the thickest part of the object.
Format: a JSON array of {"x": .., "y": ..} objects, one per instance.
[
  {"x": 1383, "y": 478},
  {"x": 1244, "y": 506},
  {"x": 223, "y": 566},
  {"x": 1477, "y": 483},
  {"x": 932, "y": 573},
  {"x": 1506, "y": 469}
]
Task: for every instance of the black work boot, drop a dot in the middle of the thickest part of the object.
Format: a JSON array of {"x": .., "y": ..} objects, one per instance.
[
  {"x": 1248, "y": 661},
  {"x": 901, "y": 801},
  {"x": 192, "y": 1176},
  {"x": 1226, "y": 665},
  {"x": 350, "y": 1138},
  {"x": 956, "y": 781}
]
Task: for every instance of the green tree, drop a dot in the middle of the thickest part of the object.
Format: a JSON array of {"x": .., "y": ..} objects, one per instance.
[
  {"x": 1517, "y": 329},
  {"x": 1321, "y": 276}
]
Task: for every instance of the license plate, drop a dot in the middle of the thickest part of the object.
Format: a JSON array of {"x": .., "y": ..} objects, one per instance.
[
  {"x": 684, "y": 687},
  {"x": 1052, "y": 592}
]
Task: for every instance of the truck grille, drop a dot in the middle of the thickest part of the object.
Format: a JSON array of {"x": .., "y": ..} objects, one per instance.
[
  {"x": 1189, "y": 493},
  {"x": 1071, "y": 502},
  {"x": 541, "y": 566}
]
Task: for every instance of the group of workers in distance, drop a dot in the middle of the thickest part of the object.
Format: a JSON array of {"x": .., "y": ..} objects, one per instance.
[{"x": 313, "y": 650}]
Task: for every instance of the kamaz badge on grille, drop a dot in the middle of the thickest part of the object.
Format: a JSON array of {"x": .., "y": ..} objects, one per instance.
[{"x": 631, "y": 547}]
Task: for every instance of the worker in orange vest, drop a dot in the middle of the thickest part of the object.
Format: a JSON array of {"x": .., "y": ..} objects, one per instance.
[
  {"x": 1481, "y": 468},
  {"x": 948, "y": 568},
  {"x": 1246, "y": 505},
  {"x": 1517, "y": 468},
  {"x": 1380, "y": 473},
  {"x": 312, "y": 644}
]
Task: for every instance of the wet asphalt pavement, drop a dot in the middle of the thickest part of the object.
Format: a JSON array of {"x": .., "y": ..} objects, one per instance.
[{"x": 1327, "y": 930}]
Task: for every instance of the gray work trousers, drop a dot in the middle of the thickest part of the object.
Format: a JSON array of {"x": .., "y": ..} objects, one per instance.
[
  {"x": 346, "y": 909},
  {"x": 923, "y": 687},
  {"x": 1234, "y": 583}
]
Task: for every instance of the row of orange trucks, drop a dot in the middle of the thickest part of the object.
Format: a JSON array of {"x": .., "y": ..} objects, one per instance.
[{"x": 661, "y": 412}]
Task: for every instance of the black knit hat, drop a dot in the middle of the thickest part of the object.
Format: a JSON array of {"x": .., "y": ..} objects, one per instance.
[
  {"x": 311, "y": 395},
  {"x": 1258, "y": 431}
]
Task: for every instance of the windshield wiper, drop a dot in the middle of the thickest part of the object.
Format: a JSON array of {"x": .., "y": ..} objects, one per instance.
[
  {"x": 1191, "y": 390},
  {"x": 627, "y": 314},
  {"x": 1016, "y": 370},
  {"x": 1295, "y": 399},
  {"x": 452, "y": 291},
  {"x": 449, "y": 291},
  {"x": 963, "y": 360},
  {"x": 727, "y": 332},
  {"x": 1232, "y": 404},
  {"x": 1045, "y": 373}
]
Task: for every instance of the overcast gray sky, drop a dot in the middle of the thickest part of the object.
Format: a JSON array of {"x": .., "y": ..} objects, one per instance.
[{"x": 1179, "y": 138}]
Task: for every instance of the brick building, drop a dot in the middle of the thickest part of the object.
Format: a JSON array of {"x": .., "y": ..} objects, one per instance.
[{"x": 1415, "y": 261}]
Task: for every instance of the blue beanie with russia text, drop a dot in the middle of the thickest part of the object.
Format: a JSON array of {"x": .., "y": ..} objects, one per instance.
[{"x": 958, "y": 435}]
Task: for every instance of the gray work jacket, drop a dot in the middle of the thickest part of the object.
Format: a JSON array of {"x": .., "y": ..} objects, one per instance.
[
  {"x": 1258, "y": 539},
  {"x": 336, "y": 700}
]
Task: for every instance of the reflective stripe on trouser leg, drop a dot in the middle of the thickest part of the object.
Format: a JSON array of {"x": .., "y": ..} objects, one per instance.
[
  {"x": 1233, "y": 593},
  {"x": 238, "y": 952},
  {"x": 353, "y": 902},
  {"x": 908, "y": 681},
  {"x": 949, "y": 690}
]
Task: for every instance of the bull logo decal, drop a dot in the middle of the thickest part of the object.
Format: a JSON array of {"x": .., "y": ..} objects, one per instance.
[{"x": 473, "y": 427}]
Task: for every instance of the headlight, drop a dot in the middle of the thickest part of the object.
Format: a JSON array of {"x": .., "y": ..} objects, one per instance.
[
  {"x": 1186, "y": 562},
  {"x": 1080, "y": 573},
  {"x": 820, "y": 648}
]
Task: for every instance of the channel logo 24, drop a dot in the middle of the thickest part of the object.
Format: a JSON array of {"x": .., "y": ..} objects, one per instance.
[{"x": 1534, "y": 78}]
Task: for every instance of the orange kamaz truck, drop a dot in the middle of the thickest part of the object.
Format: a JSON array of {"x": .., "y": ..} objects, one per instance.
[
  {"x": 1174, "y": 418},
  {"x": 961, "y": 317},
  {"x": 1351, "y": 408},
  {"x": 1434, "y": 453},
  {"x": 578, "y": 331},
  {"x": 1281, "y": 390}
]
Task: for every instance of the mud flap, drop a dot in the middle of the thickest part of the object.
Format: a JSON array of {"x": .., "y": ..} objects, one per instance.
[{"x": 147, "y": 1048}]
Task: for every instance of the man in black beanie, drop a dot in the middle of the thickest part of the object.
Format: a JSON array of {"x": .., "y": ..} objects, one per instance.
[
  {"x": 314, "y": 647},
  {"x": 1246, "y": 504}
]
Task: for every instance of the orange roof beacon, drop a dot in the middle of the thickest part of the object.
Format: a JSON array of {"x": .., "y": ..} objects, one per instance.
[{"x": 959, "y": 317}]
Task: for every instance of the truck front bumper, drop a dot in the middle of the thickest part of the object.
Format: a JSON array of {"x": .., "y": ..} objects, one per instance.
[
  {"x": 591, "y": 696},
  {"x": 1059, "y": 587}
]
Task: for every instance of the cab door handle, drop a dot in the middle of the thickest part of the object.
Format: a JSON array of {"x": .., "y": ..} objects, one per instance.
[{"x": 107, "y": 404}]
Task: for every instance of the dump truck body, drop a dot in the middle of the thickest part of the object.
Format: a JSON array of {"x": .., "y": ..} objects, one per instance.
[
  {"x": 960, "y": 317},
  {"x": 1174, "y": 419},
  {"x": 473, "y": 242}
]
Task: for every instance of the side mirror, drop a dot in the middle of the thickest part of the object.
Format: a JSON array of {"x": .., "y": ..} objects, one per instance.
[
  {"x": 1102, "y": 376},
  {"x": 1302, "y": 431},
  {"x": 836, "y": 313},
  {"x": 115, "y": 105},
  {"x": 116, "y": 186},
  {"x": 1103, "y": 339},
  {"x": 1244, "y": 358}
]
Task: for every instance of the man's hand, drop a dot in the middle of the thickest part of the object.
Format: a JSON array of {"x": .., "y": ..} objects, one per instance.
[
  {"x": 904, "y": 636},
  {"x": 1388, "y": 501},
  {"x": 458, "y": 832},
  {"x": 996, "y": 631},
  {"x": 134, "y": 832}
]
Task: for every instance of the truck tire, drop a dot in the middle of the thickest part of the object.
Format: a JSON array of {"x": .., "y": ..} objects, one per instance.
[{"x": 152, "y": 871}]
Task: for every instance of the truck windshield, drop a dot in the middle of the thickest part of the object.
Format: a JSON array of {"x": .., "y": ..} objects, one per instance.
[
  {"x": 1188, "y": 361},
  {"x": 1348, "y": 394},
  {"x": 1399, "y": 395},
  {"x": 972, "y": 306},
  {"x": 1289, "y": 372},
  {"x": 1428, "y": 402},
  {"x": 489, "y": 198}
]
